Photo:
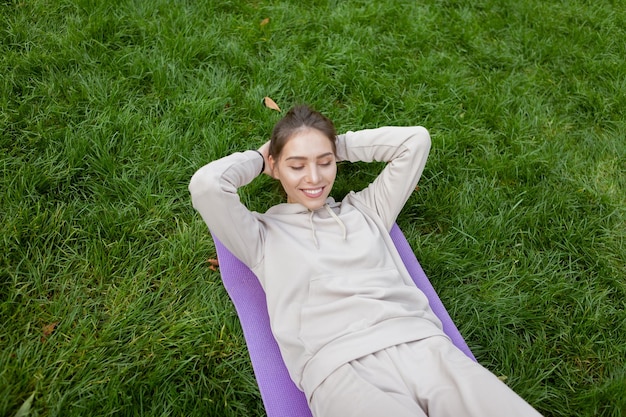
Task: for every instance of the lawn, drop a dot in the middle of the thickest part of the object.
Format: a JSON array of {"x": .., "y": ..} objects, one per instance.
[{"x": 108, "y": 304}]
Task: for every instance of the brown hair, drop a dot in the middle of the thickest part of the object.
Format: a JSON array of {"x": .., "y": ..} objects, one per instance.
[{"x": 297, "y": 119}]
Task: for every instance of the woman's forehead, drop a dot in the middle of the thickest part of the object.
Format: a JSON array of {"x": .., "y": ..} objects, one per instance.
[{"x": 307, "y": 144}]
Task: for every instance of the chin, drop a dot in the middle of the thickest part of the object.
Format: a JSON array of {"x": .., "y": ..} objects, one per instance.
[{"x": 313, "y": 205}]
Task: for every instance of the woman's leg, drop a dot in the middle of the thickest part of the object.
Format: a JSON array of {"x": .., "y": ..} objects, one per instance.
[
  {"x": 447, "y": 383},
  {"x": 430, "y": 377},
  {"x": 345, "y": 394}
]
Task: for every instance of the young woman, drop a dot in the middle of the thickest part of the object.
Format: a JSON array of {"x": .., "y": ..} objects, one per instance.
[{"x": 356, "y": 335}]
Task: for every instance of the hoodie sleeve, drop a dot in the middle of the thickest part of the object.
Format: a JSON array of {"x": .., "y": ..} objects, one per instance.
[
  {"x": 213, "y": 191},
  {"x": 405, "y": 149}
]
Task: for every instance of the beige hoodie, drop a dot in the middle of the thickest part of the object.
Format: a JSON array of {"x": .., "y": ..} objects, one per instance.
[{"x": 336, "y": 287}]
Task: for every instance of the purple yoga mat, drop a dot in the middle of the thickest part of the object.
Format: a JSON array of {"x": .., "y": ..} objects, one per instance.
[{"x": 280, "y": 395}]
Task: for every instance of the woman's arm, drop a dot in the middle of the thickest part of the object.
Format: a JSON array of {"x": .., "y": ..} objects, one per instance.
[
  {"x": 405, "y": 149},
  {"x": 213, "y": 191}
]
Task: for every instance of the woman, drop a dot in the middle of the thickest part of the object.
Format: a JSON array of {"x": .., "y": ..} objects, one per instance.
[{"x": 356, "y": 335}]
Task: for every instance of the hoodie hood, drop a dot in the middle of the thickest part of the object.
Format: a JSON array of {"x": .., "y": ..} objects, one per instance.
[
  {"x": 326, "y": 211},
  {"x": 295, "y": 208}
]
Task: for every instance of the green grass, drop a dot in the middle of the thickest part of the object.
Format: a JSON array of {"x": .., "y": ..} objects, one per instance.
[{"x": 108, "y": 108}]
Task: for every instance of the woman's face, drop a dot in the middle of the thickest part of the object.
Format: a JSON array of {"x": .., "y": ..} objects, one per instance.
[{"x": 306, "y": 168}]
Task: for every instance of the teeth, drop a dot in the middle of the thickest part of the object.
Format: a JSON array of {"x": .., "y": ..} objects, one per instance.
[{"x": 312, "y": 192}]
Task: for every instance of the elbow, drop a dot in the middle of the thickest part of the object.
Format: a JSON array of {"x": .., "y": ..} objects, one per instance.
[
  {"x": 203, "y": 183},
  {"x": 420, "y": 139}
]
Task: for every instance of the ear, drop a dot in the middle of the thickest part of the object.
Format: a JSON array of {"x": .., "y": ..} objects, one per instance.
[{"x": 273, "y": 169}]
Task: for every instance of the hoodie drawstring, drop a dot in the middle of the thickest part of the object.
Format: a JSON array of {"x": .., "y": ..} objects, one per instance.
[
  {"x": 334, "y": 216},
  {"x": 343, "y": 226},
  {"x": 317, "y": 246}
]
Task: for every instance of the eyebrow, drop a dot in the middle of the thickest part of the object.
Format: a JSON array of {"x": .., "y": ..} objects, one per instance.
[{"x": 304, "y": 158}]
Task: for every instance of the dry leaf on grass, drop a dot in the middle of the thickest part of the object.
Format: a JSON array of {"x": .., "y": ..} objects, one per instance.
[
  {"x": 213, "y": 264},
  {"x": 270, "y": 104},
  {"x": 264, "y": 21},
  {"x": 48, "y": 329},
  {"x": 25, "y": 408}
]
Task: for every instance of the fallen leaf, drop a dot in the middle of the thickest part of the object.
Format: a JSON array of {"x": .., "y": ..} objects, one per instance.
[
  {"x": 264, "y": 21},
  {"x": 25, "y": 408},
  {"x": 213, "y": 264},
  {"x": 48, "y": 329},
  {"x": 271, "y": 104},
  {"x": 503, "y": 378},
  {"x": 417, "y": 188}
]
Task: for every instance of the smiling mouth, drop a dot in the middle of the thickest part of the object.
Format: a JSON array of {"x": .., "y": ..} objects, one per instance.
[{"x": 313, "y": 192}]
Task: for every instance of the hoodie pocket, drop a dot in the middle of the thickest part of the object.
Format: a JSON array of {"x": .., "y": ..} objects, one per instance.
[{"x": 345, "y": 303}]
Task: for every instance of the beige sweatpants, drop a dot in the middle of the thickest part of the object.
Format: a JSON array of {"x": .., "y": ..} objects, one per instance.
[{"x": 430, "y": 377}]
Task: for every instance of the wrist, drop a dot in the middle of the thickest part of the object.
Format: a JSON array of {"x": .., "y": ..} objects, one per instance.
[{"x": 262, "y": 159}]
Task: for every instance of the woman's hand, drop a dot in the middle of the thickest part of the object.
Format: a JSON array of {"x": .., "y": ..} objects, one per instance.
[{"x": 265, "y": 151}]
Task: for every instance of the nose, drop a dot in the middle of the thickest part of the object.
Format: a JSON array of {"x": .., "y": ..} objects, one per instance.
[{"x": 314, "y": 175}]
